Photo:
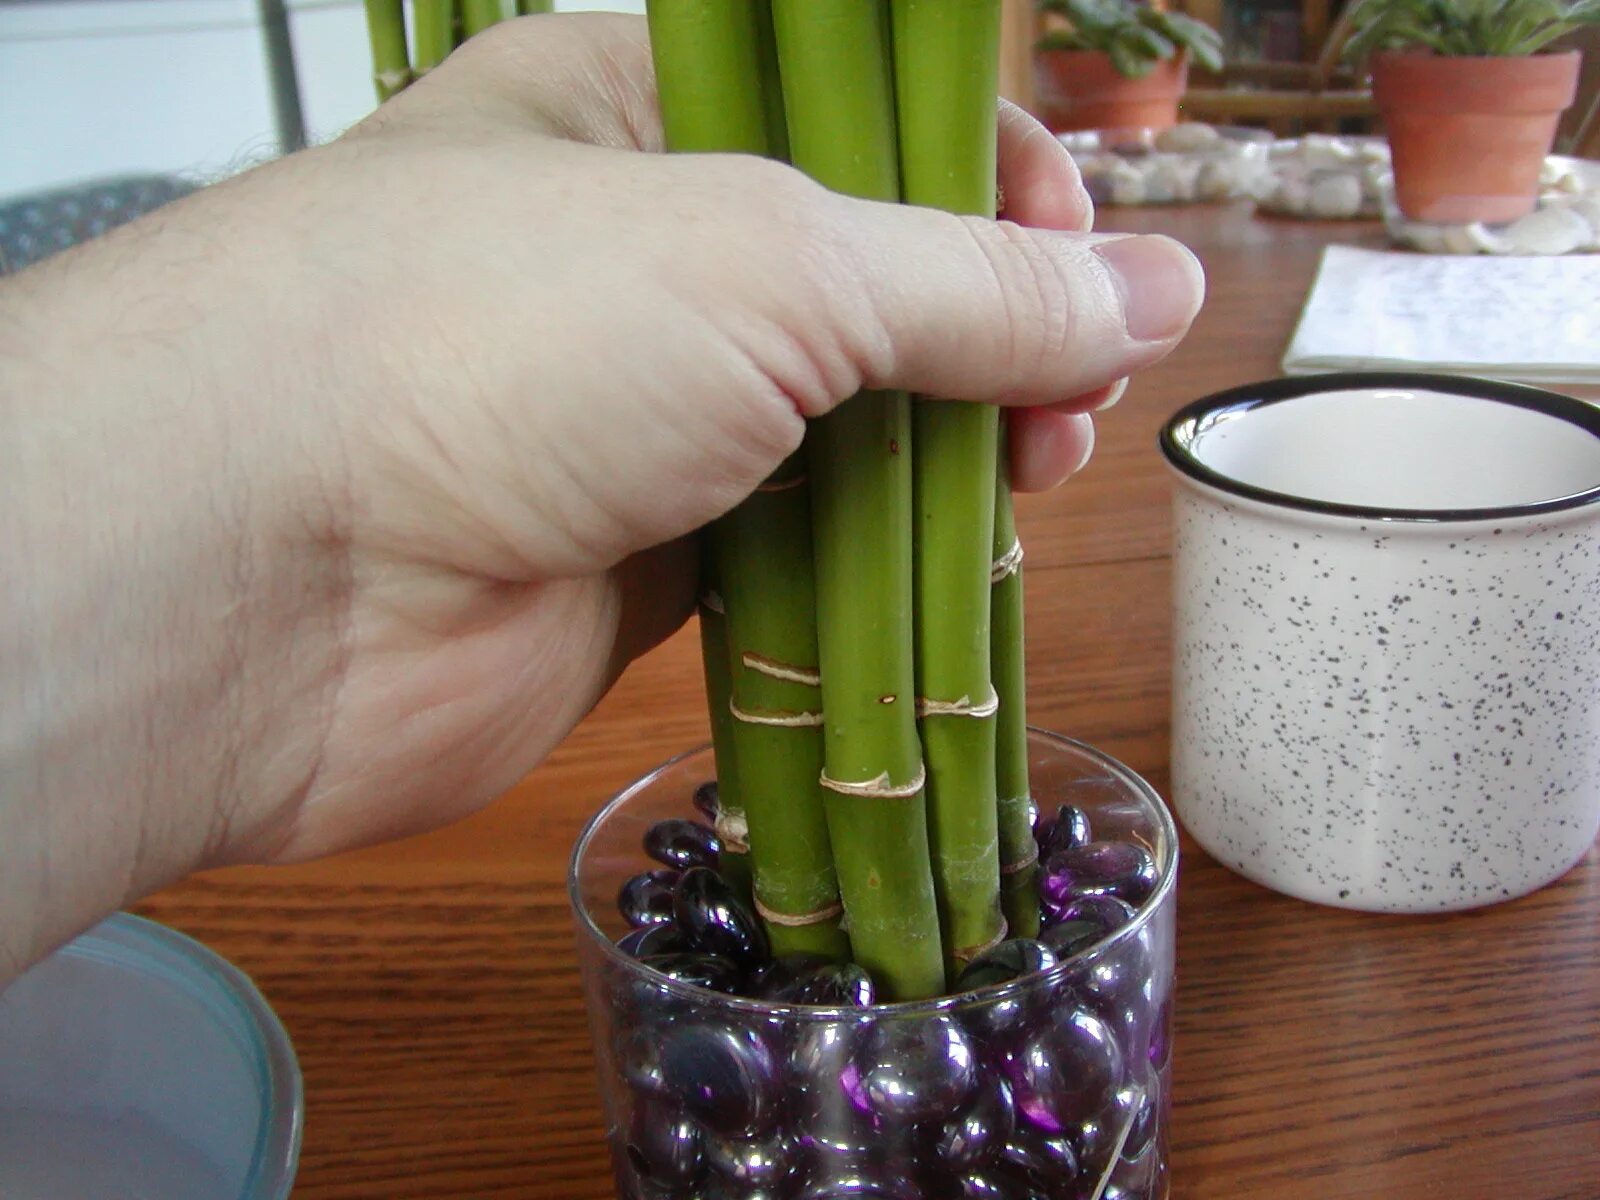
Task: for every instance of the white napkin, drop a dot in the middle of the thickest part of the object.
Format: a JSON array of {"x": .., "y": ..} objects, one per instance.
[{"x": 1530, "y": 319}]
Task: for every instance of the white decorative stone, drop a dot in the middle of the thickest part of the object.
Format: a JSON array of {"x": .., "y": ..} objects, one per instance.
[
  {"x": 1187, "y": 138},
  {"x": 1334, "y": 196},
  {"x": 1555, "y": 229},
  {"x": 1127, "y": 184},
  {"x": 1215, "y": 181}
]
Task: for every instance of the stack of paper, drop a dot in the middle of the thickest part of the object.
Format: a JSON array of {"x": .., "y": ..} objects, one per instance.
[{"x": 1530, "y": 319}]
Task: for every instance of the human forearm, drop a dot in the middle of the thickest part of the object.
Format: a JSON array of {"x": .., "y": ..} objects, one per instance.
[{"x": 142, "y": 586}]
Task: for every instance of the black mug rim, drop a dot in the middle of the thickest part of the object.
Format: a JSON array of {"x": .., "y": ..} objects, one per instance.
[{"x": 1178, "y": 434}]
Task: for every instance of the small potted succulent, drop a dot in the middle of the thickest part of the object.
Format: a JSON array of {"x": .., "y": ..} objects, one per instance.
[
  {"x": 1120, "y": 64},
  {"x": 1470, "y": 97}
]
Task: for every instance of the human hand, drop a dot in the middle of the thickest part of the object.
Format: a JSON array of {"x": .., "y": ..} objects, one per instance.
[{"x": 450, "y": 392}]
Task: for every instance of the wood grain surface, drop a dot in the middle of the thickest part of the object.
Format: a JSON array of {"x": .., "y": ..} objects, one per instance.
[{"x": 431, "y": 987}]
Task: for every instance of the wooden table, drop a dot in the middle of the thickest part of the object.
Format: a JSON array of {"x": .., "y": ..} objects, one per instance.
[{"x": 431, "y": 989}]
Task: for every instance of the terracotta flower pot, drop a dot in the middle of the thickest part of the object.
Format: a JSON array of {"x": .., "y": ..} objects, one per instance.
[
  {"x": 1468, "y": 135},
  {"x": 1080, "y": 89}
]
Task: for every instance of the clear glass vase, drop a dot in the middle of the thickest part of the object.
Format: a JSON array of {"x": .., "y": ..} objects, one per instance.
[{"x": 1055, "y": 1086}]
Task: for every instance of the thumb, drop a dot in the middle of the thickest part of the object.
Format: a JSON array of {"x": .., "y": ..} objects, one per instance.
[{"x": 975, "y": 309}]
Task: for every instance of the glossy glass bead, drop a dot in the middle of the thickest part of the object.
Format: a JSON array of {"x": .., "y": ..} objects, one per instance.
[
  {"x": 979, "y": 1185},
  {"x": 778, "y": 973},
  {"x": 828, "y": 985},
  {"x": 914, "y": 1070},
  {"x": 751, "y": 1162},
  {"x": 706, "y": 801},
  {"x": 1046, "y": 1166},
  {"x": 682, "y": 844},
  {"x": 716, "y": 921},
  {"x": 646, "y": 899},
  {"x": 664, "y": 1146},
  {"x": 638, "y": 1054},
  {"x": 1081, "y": 922},
  {"x": 1119, "y": 869},
  {"x": 975, "y": 1136},
  {"x": 863, "y": 1182},
  {"x": 709, "y": 971},
  {"x": 1065, "y": 1072},
  {"x": 1065, "y": 829},
  {"x": 725, "y": 1076},
  {"x": 1010, "y": 960},
  {"x": 652, "y": 939}
]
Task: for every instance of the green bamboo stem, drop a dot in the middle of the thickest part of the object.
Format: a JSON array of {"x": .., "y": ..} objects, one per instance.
[
  {"x": 1018, "y": 852},
  {"x": 434, "y": 27},
  {"x": 839, "y": 99},
  {"x": 947, "y": 80},
  {"x": 769, "y": 591},
  {"x": 716, "y": 75},
  {"x": 391, "y": 64},
  {"x": 731, "y": 825},
  {"x": 478, "y": 15},
  {"x": 526, "y": 8},
  {"x": 710, "y": 75}
]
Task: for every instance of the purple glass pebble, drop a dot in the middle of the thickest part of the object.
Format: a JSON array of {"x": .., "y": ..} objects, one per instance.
[
  {"x": 639, "y": 1060},
  {"x": 1009, "y": 960},
  {"x": 725, "y": 1075},
  {"x": 709, "y": 971},
  {"x": 682, "y": 844},
  {"x": 1065, "y": 1072},
  {"x": 828, "y": 985},
  {"x": 1145, "y": 1102},
  {"x": 652, "y": 939},
  {"x": 663, "y": 1146},
  {"x": 1118, "y": 869},
  {"x": 978, "y": 1185},
  {"x": 716, "y": 921},
  {"x": 976, "y": 1135},
  {"x": 914, "y": 1070},
  {"x": 1066, "y": 829},
  {"x": 646, "y": 899},
  {"x": 1046, "y": 1166},
  {"x": 863, "y": 1182},
  {"x": 778, "y": 973},
  {"x": 706, "y": 800},
  {"x": 1081, "y": 922},
  {"x": 751, "y": 1162}
]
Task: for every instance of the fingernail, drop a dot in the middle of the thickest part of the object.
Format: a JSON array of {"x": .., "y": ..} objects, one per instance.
[
  {"x": 1113, "y": 395},
  {"x": 1160, "y": 281}
]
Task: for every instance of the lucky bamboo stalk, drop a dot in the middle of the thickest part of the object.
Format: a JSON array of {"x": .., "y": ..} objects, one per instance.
[
  {"x": 478, "y": 15},
  {"x": 947, "y": 68},
  {"x": 731, "y": 825},
  {"x": 1019, "y": 854},
  {"x": 434, "y": 24},
  {"x": 391, "y": 64},
  {"x": 715, "y": 71},
  {"x": 527, "y": 8},
  {"x": 839, "y": 99},
  {"x": 769, "y": 590}
]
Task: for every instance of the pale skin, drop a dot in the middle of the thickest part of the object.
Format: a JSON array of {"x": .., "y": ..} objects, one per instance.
[{"x": 334, "y": 496}]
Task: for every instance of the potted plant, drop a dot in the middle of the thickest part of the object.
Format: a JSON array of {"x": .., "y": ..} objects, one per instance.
[
  {"x": 1120, "y": 65},
  {"x": 869, "y": 969},
  {"x": 1470, "y": 98}
]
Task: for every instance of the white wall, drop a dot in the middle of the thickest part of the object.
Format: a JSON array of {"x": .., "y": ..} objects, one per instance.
[{"x": 90, "y": 88}]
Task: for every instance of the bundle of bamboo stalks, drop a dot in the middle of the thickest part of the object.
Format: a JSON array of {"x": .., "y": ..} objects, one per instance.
[
  {"x": 437, "y": 27},
  {"x": 861, "y": 613}
]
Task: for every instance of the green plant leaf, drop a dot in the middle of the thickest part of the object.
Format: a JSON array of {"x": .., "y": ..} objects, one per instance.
[
  {"x": 1061, "y": 39},
  {"x": 1130, "y": 58}
]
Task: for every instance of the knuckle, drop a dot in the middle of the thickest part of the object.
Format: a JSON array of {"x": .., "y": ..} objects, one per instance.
[{"x": 1033, "y": 293}]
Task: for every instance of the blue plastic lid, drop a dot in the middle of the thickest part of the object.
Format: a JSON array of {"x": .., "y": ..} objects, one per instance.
[{"x": 135, "y": 1063}]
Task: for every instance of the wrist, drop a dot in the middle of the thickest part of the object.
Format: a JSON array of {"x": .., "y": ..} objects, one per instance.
[{"x": 171, "y": 644}]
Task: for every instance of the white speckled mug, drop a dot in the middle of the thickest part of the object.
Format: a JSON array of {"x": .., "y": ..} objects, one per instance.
[{"x": 1386, "y": 669}]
